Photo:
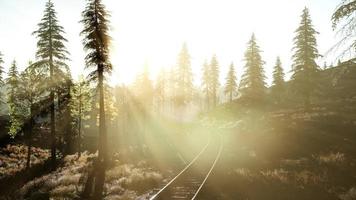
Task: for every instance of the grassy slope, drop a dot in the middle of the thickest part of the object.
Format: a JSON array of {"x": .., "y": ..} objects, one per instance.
[{"x": 286, "y": 152}]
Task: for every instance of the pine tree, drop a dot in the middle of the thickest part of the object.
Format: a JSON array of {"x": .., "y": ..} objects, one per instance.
[
  {"x": 123, "y": 104},
  {"x": 12, "y": 83},
  {"x": 325, "y": 66},
  {"x": 305, "y": 52},
  {"x": 144, "y": 89},
  {"x": 144, "y": 94},
  {"x": 214, "y": 80},
  {"x": 206, "y": 83},
  {"x": 278, "y": 80},
  {"x": 231, "y": 85},
  {"x": 96, "y": 43},
  {"x": 1, "y": 69},
  {"x": 172, "y": 88},
  {"x": 252, "y": 85},
  {"x": 339, "y": 62},
  {"x": 30, "y": 95},
  {"x": 184, "y": 77},
  {"x": 1, "y": 80},
  {"x": 80, "y": 105},
  {"x": 51, "y": 54},
  {"x": 161, "y": 90}
]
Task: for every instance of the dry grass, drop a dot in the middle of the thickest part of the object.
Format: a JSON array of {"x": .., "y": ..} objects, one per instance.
[
  {"x": 126, "y": 181},
  {"x": 330, "y": 158},
  {"x": 13, "y": 158},
  {"x": 65, "y": 183},
  {"x": 349, "y": 195},
  {"x": 323, "y": 172},
  {"x": 300, "y": 178},
  {"x": 123, "y": 181}
]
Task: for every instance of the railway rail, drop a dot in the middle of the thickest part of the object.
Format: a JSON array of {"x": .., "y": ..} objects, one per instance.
[{"x": 188, "y": 183}]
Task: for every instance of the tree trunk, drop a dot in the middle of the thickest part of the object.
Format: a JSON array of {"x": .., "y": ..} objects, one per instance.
[
  {"x": 53, "y": 128},
  {"x": 102, "y": 150},
  {"x": 29, "y": 145},
  {"x": 52, "y": 108},
  {"x": 102, "y": 121},
  {"x": 29, "y": 137},
  {"x": 80, "y": 128}
]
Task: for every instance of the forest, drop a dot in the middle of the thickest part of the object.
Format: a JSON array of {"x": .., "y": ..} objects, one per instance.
[{"x": 224, "y": 135}]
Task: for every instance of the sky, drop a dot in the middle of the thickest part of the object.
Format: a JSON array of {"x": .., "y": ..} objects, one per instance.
[{"x": 153, "y": 32}]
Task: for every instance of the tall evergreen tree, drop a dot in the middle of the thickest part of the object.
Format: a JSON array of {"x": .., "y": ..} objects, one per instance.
[
  {"x": 80, "y": 105},
  {"x": 252, "y": 85},
  {"x": 184, "y": 77},
  {"x": 278, "y": 80},
  {"x": 214, "y": 80},
  {"x": 231, "y": 82},
  {"x": 206, "y": 83},
  {"x": 1, "y": 80},
  {"x": 12, "y": 83},
  {"x": 144, "y": 89},
  {"x": 96, "y": 43},
  {"x": 51, "y": 54},
  {"x": 1, "y": 69},
  {"x": 123, "y": 104},
  {"x": 144, "y": 95},
  {"x": 305, "y": 52},
  {"x": 172, "y": 88},
  {"x": 161, "y": 90}
]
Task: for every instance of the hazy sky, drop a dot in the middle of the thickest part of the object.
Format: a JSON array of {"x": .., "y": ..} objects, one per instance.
[{"x": 153, "y": 31}]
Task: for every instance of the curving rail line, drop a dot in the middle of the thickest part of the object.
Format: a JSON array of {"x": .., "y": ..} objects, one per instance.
[{"x": 186, "y": 180}]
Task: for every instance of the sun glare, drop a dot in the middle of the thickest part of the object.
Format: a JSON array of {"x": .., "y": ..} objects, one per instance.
[{"x": 156, "y": 29}]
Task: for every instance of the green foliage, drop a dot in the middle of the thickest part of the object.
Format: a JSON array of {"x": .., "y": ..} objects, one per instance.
[
  {"x": 1, "y": 69},
  {"x": 184, "y": 77},
  {"x": 1, "y": 80},
  {"x": 96, "y": 43},
  {"x": 81, "y": 97},
  {"x": 278, "y": 84},
  {"x": 172, "y": 88},
  {"x": 143, "y": 88},
  {"x": 96, "y": 38},
  {"x": 25, "y": 103},
  {"x": 210, "y": 81},
  {"x": 231, "y": 85},
  {"x": 80, "y": 106},
  {"x": 214, "y": 79},
  {"x": 51, "y": 57},
  {"x": 344, "y": 20},
  {"x": 305, "y": 52},
  {"x": 51, "y": 52},
  {"x": 206, "y": 82},
  {"x": 12, "y": 83},
  {"x": 161, "y": 90},
  {"x": 32, "y": 91},
  {"x": 252, "y": 83},
  {"x": 109, "y": 106}
]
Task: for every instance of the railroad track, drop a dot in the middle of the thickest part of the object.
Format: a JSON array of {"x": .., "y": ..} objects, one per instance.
[{"x": 187, "y": 184}]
